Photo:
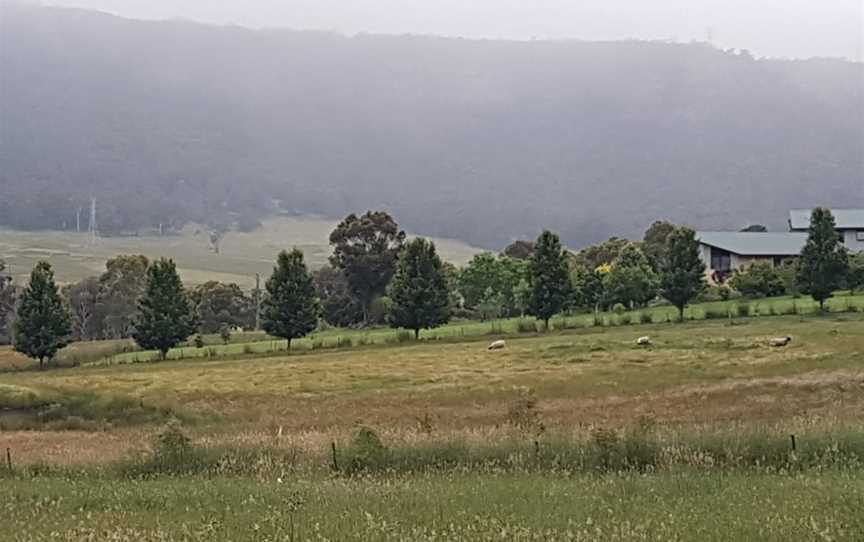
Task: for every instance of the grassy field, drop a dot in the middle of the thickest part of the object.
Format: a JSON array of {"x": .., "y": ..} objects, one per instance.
[
  {"x": 575, "y": 434},
  {"x": 470, "y": 508},
  {"x": 241, "y": 255},
  {"x": 252, "y": 344}
]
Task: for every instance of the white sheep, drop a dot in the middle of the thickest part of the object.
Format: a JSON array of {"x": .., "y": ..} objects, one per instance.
[
  {"x": 644, "y": 341},
  {"x": 497, "y": 345},
  {"x": 779, "y": 342}
]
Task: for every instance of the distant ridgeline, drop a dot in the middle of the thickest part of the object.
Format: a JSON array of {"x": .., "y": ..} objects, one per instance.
[{"x": 171, "y": 122}]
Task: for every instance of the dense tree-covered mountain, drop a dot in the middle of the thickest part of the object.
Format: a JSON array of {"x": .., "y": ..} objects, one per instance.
[{"x": 169, "y": 122}]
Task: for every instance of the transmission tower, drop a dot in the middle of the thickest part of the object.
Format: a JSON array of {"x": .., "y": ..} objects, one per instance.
[{"x": 92, "y": 229}]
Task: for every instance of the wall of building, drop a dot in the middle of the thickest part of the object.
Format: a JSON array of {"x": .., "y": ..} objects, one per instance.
[{"x": 850, "y": 239}]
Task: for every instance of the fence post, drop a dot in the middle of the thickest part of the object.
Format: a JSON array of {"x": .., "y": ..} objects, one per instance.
[
  {"x": 9, "y": 459},
  {"x": 794, "y": 447},
  {"x": 335, "y": 463}
]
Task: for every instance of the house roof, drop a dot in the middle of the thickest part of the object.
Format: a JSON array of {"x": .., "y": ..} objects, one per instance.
[
  {"x": 755, "y": 243},
  {"x": 847, "y": 219}
]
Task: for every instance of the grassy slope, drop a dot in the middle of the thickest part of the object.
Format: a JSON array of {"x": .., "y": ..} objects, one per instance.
[
  {"x": 257, "y": 344},
  {"x": 697, "y": 373},
  {"x": 242, "y": 254},
  {"x": 702, "y": 377},
  {"x": 686, "y": 507}
]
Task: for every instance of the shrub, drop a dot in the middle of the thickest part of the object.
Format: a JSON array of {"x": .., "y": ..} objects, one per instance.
[
  {"x": 199, "y": 341},
  {"x": 624, "y": 319},
  {"x": 758, "y": 280},
  {"x": 403, "y": 336},
  {"x": 645, "y": 318},
  {"x": 366, "y": 452},
  {"x": 619, "y": 308},
  {"x": 743, "y": 308},
  {"x": 719, "y": 292},
  {"x": 172, "y": 442}
]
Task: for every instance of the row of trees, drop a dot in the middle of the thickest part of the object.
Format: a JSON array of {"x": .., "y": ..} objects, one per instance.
[
  {"x": 373, "y": 265},
  {"x": 374, "y": 275}
]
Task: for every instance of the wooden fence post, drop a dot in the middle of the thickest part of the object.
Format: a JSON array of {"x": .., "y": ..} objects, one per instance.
[
  {"x": 9, "y": 459},
  {"x": 335, "y": 463}
]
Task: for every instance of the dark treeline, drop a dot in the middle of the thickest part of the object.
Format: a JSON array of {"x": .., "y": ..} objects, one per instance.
[{"x": 486, "y": 141}]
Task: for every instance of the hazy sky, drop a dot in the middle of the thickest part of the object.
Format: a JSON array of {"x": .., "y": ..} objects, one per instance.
[{"x": 790, "y": 28}]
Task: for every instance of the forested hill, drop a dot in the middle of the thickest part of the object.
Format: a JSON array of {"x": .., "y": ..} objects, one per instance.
[{"x": 168, "y": 122}]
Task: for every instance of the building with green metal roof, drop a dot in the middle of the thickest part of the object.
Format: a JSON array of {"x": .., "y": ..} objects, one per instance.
[
  {"x": 850, "y": 224},
  {"x": 724, "y": 252}
]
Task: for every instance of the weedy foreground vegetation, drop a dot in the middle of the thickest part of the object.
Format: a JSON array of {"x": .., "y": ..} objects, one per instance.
[{"x": 570, "y": 435}]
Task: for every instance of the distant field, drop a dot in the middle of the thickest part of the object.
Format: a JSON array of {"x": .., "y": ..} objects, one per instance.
[{"x": 242, "y": 254}]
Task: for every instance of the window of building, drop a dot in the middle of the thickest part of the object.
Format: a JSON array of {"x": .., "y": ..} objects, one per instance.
[
  {"x": 859, "y": 235},
  {"x": 720, "y": 260}
]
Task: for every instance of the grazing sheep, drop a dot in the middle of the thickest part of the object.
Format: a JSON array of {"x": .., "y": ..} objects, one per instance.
[
  {"x": 780, "y": 341},
  {"x": 497, "y": 345},
  {"x": 643, "y": 341}
]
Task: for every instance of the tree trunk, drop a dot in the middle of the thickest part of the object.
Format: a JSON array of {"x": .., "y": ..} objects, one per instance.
[
  {"x": 417, "y": 334},
  {"x": 546, "y": 323},
  {"x": 821, "y": 305},
  {"x": 41, "y": 362},
  {"x": 289, "y": 344},
  {"x": 681, "y": 313}
]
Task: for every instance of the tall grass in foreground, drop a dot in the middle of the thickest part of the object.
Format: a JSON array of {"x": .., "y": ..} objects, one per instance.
[
  {"x": 638, "y": 449},
  {"x": 685, "y": 506}
]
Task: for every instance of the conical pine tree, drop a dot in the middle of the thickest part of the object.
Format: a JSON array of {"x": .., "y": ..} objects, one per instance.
[
  {"x": 43, "y": 322},
  {"x": 824, "y": 260},
  {"x": 682, "y": 271},
  {"x": 165, "y": 314},
  {"x": 549, "y": 278},
  {"x": 421, "y": 299},
  {"x": 291, "y": 308}
]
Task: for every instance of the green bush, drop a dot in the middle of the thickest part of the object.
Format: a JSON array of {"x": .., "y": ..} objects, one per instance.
[
  {"x": 759, "y": 279},
  {"x": 366, "y": 451}
]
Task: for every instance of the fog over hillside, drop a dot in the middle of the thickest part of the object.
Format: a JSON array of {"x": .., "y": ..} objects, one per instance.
[
  {"x": 774, "y": 28},
  {"x": 169, "y": 122}
]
